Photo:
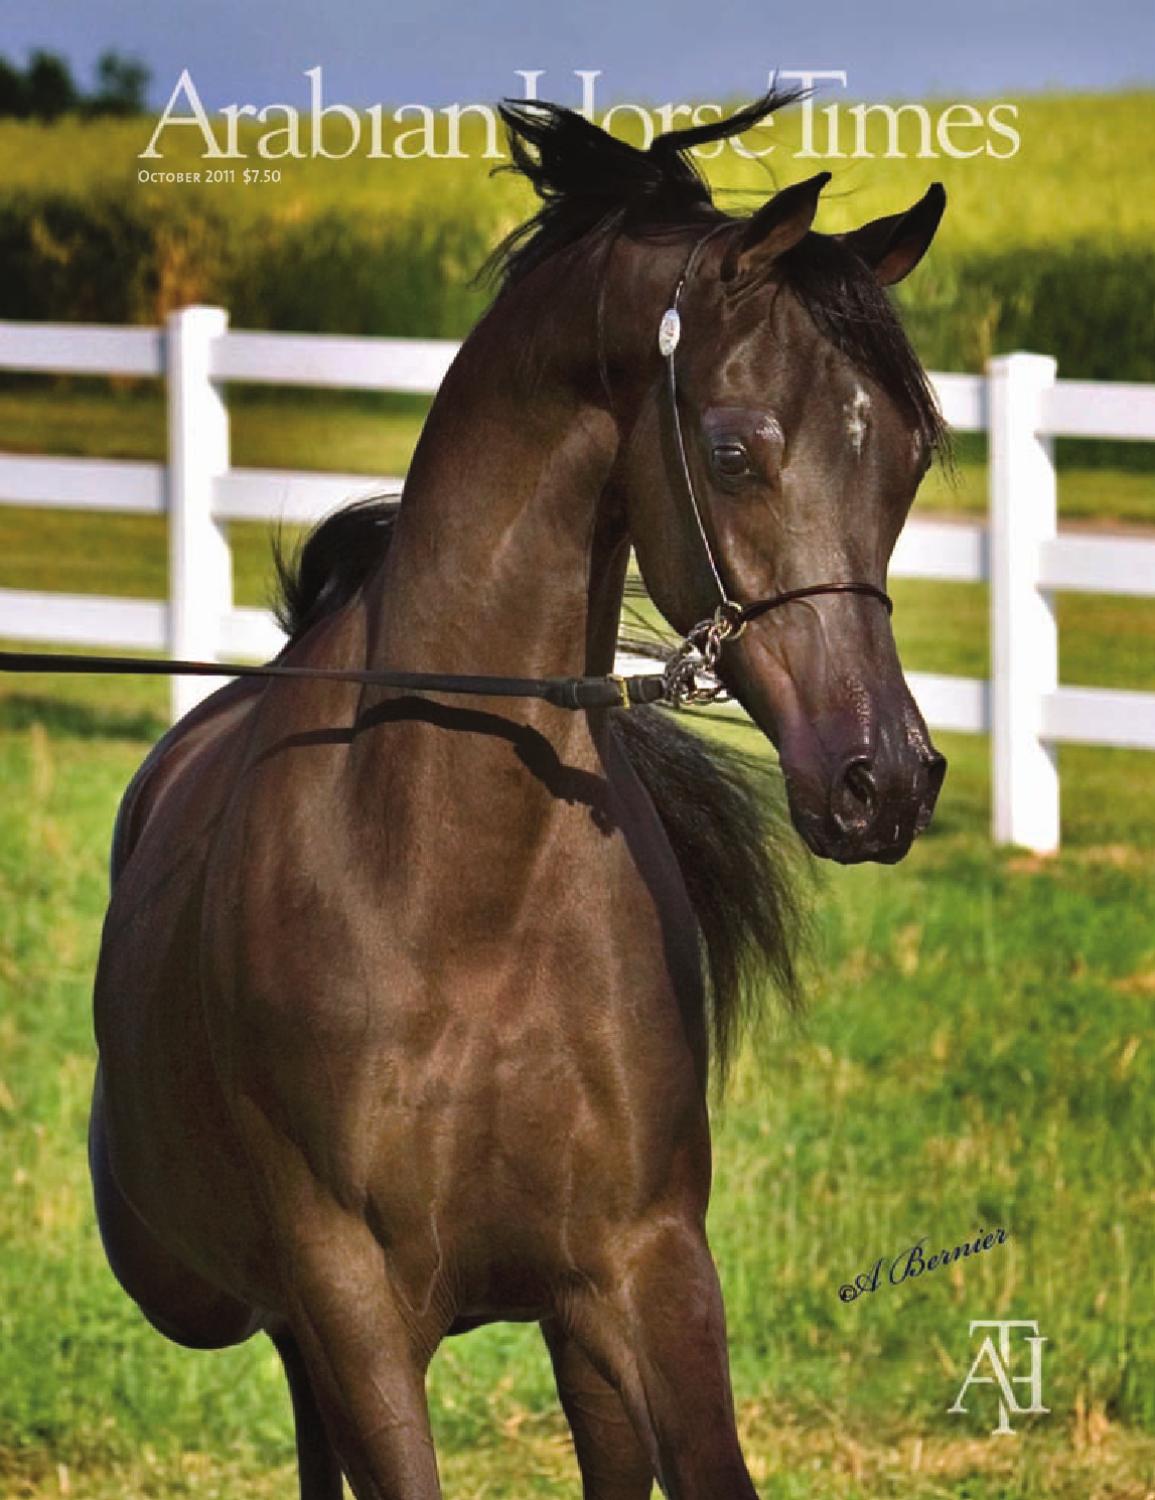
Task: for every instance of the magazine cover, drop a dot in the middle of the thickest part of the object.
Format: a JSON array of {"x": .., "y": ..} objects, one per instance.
[{"x": 577, "y": 698}]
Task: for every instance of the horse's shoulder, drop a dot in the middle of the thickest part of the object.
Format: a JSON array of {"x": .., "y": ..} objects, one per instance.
[{"x": 172, "y": 758}]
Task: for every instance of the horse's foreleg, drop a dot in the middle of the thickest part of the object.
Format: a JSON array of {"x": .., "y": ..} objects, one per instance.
[
  {"x": 318, "y": 1468},
  {"x": 613, "y": 1463},
  {"x": 366, "y": 1353},
  {"x": 659, "y": 1330}
]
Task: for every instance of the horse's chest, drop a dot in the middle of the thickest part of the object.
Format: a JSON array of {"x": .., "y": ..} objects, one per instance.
[
  {"x": 499, "y": 1064},
  {"x": 515, "y": 1151}
]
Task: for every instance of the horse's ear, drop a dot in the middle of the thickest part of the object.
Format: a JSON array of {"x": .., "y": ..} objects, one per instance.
[
  {"x": 777, "y": 226},
  {"x": 893, "y": 246}
]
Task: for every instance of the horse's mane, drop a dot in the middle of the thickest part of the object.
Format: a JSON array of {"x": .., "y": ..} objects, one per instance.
[
  {"x": 594, "y": 187},
  {"x": 723, "y": 811}
]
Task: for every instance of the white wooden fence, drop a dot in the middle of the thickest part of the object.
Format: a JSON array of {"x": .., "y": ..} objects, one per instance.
[{"x": 1021, "y": 553}]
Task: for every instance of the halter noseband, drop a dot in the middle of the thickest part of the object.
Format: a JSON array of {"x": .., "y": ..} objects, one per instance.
[{"x": 698, "y": 656}]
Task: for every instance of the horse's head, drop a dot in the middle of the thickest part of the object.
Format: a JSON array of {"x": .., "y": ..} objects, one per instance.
[
  {"x": 802, "y": 426},
  {"x": 806, "y": 425}
]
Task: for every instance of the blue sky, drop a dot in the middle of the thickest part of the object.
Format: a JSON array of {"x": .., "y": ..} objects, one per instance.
[{"x": 436, "y": 51}]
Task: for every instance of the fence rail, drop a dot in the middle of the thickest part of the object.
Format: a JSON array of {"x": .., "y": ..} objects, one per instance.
[{"x": 1020, "y": 552}]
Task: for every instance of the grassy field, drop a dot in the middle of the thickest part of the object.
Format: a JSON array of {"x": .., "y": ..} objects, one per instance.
[{"x": 979, "y": 1051}]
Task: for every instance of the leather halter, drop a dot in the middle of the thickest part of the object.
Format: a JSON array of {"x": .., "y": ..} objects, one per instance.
[
  {"x": 690, "y": 676},
  {"x": 698, "y": 656}
]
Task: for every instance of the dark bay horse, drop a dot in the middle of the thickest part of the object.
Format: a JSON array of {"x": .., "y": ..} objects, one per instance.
[{"x": 405, "y": 1003}]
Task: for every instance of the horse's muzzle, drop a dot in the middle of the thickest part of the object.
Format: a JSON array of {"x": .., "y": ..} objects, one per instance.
[
  {"x": 861, "y": 772},
  {"x": 875, "y": 809}
]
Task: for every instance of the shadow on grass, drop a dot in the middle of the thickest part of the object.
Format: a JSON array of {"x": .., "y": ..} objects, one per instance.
[{"x": 80, "y": 720}]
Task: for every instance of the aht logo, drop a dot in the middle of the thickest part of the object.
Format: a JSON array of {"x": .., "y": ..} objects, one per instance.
[{"x": 999, "y": 1360}]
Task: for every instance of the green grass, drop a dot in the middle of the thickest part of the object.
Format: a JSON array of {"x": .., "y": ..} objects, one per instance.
[
  {"x": 980, "y": 1050},
  {"x": 356, "y": 433}
]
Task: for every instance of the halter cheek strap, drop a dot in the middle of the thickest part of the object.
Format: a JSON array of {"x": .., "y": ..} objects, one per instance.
[
  {"x": 691, "y": 676},
  {"x": 669, "y": 337}
]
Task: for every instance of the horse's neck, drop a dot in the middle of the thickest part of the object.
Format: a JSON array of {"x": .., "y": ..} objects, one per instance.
[{"x": 502, "y": 562}]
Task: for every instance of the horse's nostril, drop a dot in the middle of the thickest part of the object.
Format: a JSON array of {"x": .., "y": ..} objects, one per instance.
[{"x": 854, "y": 796}]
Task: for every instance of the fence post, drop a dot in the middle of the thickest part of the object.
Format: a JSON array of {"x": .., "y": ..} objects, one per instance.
[
  {"x": 200, "y": 584},
  {"x": 1024, "y": 633}
]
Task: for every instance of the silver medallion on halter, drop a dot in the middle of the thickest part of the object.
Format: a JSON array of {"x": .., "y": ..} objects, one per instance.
[{"x": 669, "y": 332}]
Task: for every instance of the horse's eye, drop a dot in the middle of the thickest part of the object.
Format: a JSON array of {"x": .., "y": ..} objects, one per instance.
[{"x": 731, "y": 460}]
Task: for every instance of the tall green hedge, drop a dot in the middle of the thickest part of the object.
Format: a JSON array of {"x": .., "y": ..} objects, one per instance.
[
  {"x": 109, "y": 258},
  {"x": 1091, "y": 304},
  {"x": 102, "y": 258}
]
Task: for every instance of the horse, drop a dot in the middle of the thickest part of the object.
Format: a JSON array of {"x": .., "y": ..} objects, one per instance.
[{"x": 407, "y": 1006}]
